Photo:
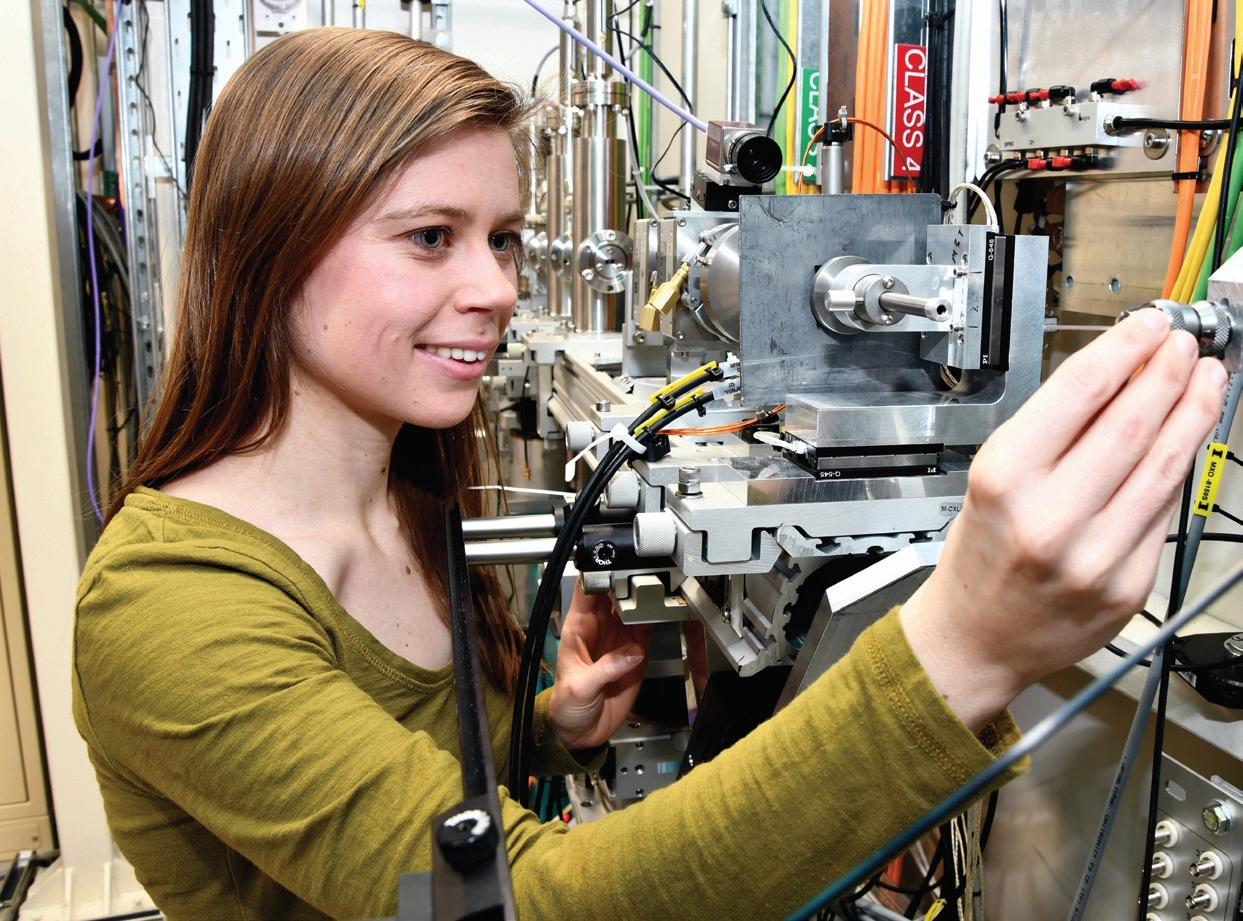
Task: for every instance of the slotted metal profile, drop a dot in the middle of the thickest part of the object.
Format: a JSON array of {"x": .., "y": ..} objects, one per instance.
[{"x": 138, "y": 196}]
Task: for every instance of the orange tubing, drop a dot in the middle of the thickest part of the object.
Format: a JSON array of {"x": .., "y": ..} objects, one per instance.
[{"x": 1191, "y": 108}]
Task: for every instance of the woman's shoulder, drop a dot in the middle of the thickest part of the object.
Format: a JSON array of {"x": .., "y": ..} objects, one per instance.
[{"x": 157, "y": 539}]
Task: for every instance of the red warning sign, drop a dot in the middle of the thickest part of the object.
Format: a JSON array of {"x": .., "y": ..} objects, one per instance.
[{"x": 909, "y": 88}]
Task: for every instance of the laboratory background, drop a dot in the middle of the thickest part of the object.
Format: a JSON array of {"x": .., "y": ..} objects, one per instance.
[{"x": 866, "y": 230}]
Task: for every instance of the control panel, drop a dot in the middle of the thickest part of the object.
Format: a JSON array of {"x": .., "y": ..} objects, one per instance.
[{"x": 1199, "y": 848}]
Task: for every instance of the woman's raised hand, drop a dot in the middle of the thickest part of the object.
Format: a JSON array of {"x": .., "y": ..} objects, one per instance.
[
  {"x": 1067, "y": 508},
  {"x": 600, "y": 665}
]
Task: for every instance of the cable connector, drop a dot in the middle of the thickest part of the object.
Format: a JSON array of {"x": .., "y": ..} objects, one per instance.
[
  {"x": 663, "y": 298},
  {"x": 1112, "y": 86}
]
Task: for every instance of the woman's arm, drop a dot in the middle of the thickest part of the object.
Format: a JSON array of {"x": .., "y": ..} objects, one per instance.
[{"x": 1067, "y": 508}]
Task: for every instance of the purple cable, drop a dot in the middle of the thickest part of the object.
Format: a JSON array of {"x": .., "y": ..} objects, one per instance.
[
  {"x": 90, "y": 248},
  {"x": 617, "y": 65}
]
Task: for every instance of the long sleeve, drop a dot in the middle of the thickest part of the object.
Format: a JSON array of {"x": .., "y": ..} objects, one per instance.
[{"x": 259, "y": 760}]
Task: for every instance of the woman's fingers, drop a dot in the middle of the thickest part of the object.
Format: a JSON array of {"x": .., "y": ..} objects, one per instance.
[
  {"x": 1125, "y": 431},
  {"x": 1143, "y": 503},
  {"x": 1087, "y": 382}
]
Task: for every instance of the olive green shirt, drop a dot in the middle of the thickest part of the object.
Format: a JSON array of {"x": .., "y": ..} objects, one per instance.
[{"x": 263, "y": 756}]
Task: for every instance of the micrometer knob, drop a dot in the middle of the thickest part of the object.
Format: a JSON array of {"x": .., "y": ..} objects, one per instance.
[
  {"x": 655, "y": 534},
  {"x": 1216, "y": 325},
  {"x": 623, "y": 490}
]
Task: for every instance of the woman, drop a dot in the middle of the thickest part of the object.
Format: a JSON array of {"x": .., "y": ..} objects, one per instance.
[{"x": 348, "y": 270}]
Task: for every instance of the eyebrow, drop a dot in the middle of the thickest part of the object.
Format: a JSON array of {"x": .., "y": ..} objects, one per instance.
[{"x": 442, "y": 209}]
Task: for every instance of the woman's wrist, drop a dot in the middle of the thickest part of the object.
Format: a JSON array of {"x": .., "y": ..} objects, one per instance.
[{"x": 974, "y": 685}]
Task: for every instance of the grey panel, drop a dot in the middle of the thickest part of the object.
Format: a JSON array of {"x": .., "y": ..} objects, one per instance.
[{"x": 786, "y": 239}]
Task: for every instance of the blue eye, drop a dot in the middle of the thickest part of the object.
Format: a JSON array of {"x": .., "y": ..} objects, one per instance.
[
  {"x": 503, "y": 242},
  {"x": 430, "y": 238}
]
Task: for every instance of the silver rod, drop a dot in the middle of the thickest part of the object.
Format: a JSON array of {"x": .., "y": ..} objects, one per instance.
[
  {"x": 833, "y": 168},
  {"x": 729, "y": 9},
  {"x": 932, "y": 308},
  {"x": 565, "y": 56},
  {"x": 598, "y": 31},
  {"x": 690, "y": 38},
  {"x": 501, "y": 552},
  {"x": 509, "y": 526}
]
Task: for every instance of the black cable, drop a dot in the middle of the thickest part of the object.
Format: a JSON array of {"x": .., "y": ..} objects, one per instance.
[
  {"x": 550, "y": 583},
  {"x": 1226, "y": 160},
  {"x": 1224, "y": 514},
  {"x": 656, "y": 179},
  {"x": 1118, "y": 123},
  {"x": 202, "y": 71},
  {"x": 540, "y": 66},
  {"x": 934, "y": 168},
  {"x": 657, "y": 61},
  {"x": 991, "y": 175},
  {"x": 1036, "y": 736},
  {"x": 1167, "y": 656},
  {"x": 75, "y": 54},
  {"x": 1003, "y": 23},
  {"x": 793, "y": 67}
]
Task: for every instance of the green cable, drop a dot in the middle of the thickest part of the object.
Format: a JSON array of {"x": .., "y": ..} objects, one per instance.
[
  {"x": 644, "y": 152},
  {"x": 1236, "y": 232},
  {"x": 96, "y": 16}
]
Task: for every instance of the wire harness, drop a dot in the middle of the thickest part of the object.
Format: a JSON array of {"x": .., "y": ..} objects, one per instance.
[{"x": 687, "y": 394}]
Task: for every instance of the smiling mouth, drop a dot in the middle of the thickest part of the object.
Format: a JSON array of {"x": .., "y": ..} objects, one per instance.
[{"x": 468, "y": 356}]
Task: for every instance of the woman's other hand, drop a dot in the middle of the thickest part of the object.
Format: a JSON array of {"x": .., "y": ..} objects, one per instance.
[
  {"x": 600, "y": 665},
  {"x": 1067, "y": 508}
]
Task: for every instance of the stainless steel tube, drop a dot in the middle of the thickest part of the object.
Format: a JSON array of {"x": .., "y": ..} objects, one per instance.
[
  {"x": 501, "y": 552},
  {"x": 832, "y": 168},
  {"x": 509, "y": 526},
  {"x": 932, "y": 308},
  {"x": 690, "y": 63}
]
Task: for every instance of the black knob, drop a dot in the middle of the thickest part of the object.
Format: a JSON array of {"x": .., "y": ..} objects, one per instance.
[{"x": 467, "y": 838}]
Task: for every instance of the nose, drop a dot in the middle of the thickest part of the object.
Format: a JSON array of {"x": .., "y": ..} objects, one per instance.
[{"x": 487, "y": 282}]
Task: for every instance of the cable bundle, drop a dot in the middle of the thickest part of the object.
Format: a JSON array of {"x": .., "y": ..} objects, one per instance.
[{"x": 668, "y": 404}]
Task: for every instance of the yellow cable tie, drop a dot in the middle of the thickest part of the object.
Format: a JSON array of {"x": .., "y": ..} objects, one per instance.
[{"x": 1210, "y": 480}]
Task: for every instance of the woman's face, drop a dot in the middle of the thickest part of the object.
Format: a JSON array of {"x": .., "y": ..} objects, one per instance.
[{"x": 398, "y": 321}]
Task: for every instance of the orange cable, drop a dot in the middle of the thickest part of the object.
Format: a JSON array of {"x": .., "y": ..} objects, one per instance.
[
  {"x": 1191, "y": 108},
  {"x": 898, "y": 148},
  {"x": 726, "y": 429}
]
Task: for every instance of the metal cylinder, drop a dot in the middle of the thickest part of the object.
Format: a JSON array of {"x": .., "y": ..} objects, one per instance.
[
  {"x": 599, "y": 32},
  {"x": 509, "y": 526},
  {"x": 501, "y": 552},
  {"x": 690, "y": 63},
  {"x": 931, "y": 308},
  {"x": 558, "y": 295},
  {"x": 599, "y": 203},
  {"x": 832, "y": 168}
]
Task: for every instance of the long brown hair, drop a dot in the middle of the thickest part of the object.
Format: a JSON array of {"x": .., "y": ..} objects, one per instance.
[{"x": 306, "y": 135}]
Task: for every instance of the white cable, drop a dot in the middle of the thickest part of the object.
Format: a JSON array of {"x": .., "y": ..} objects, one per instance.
[
  {"x": 640, "y": 187},
  {"x": 989, "y": 210}
]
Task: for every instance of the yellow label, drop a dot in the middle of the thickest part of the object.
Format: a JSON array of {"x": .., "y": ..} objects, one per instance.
[{"x": 1207, "y": 494}]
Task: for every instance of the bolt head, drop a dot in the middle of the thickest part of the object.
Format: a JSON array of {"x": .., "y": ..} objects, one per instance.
[{"x": 1217, "y": 817}]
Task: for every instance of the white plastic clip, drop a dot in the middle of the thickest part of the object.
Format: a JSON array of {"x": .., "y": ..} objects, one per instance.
[{"x": 619, "y": 432}]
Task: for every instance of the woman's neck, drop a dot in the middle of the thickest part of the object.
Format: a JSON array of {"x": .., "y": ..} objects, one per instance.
[{"x": 325, "y": 470}]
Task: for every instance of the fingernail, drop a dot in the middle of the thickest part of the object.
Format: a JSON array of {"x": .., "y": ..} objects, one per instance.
[
  {"x": 1187, "y": 343},
  {"x": 1217, "y": 374},
  {"x": 1155, "y": 319},
  {"x": 634, "y": 658}
]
